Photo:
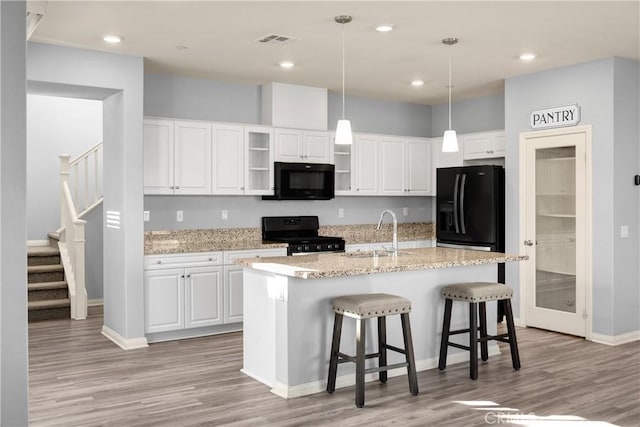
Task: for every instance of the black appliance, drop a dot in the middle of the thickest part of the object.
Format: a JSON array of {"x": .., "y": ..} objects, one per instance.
[
  {"x": 303, "y": 181},
  {"x": 470, "y": 209},
  {"x": 301, "y": 233}
]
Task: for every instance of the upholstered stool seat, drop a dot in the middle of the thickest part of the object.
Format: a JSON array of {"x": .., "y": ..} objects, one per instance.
[
  {"x": 477, "y": 294},
  {"x": 363, "y": 307}
]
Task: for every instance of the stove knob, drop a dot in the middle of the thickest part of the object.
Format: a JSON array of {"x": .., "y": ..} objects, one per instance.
[
  {"x": 319, "y": 247},
  {"x": 306, "y": 248},
  {"x": 299, "y": 248},
  {"x": 330, "y": 246}
]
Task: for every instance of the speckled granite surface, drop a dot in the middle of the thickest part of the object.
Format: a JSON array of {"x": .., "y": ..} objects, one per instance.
[
  {"x": 229, "y": 239},
  {"x": 348, "y": 264}
]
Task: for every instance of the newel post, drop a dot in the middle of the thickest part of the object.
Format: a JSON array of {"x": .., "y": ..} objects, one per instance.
[
  {"x": 79, "y": 311},
  {"x": 64, "y": 178}
]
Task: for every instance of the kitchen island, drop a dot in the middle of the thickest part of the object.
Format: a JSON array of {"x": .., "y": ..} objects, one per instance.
[{"x": 288, "y": 317}]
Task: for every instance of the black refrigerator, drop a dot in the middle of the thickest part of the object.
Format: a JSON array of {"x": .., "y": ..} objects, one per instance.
[{"x": 470, "y": 209}]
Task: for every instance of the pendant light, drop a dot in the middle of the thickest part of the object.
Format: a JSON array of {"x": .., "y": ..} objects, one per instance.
[
  {"x": 343, "y": 129},
  {"x": 450, "y": 140}
]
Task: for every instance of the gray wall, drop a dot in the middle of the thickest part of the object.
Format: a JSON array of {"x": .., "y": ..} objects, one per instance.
[
  {"x": 591, "y": 85},
  {"x": 122, "y": 120},
  {"x": 54, "y": 126},
  {"x": 93, "y": 252},
  {"x": 245, "y": 211},
  {"x": 13, "y": 271},
  {"x": 626, "y": 196},
  {"x": 200, "y": 99},
  {"x": 475, "y": 115},
  {"x": 386, "y": 117}
]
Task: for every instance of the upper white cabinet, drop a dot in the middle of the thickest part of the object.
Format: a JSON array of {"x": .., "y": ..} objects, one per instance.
[
  {"x": 258, "y": 158},
  {"x": 295, "y": 145},
  {"x": 177, "y": 157},
  {"x": 405, "y": 166},
  {"x": 365, "y": 151},
  {"x": 228, "y": 159},
  {"x": 343, "y": 160},
  {"x": 484, "y": 145}
]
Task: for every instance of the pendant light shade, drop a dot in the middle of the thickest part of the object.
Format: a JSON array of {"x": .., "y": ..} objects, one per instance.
[
  {"x": 343, "y": 129},
  {"x": 450, "y": 140}
]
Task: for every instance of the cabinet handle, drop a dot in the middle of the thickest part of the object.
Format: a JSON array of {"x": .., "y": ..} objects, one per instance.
[
  {"x": 188, "y": 276},
  {"x": 177, "y": 188},
  {"x": 171, "y": 187},
  {"x": 408, "y": 190},
  {"x": 158, "y": 262},
  {"x": 210, "y": 259},
  {"x": 182, "y": 276}
]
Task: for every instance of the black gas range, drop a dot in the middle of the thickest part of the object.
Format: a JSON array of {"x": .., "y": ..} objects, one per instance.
[{"x": 301, "y": 233}]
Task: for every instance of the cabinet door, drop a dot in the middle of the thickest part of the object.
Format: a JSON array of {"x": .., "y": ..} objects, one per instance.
[
  {"x": 164, "y": 300},
  {"x": 366, "y": 164},
  {"x": 228, "y": 159},
  {"x": 343, "y": 159},
  {"x": 232, "y": 294},
  {"x": 418, "y": 168},
  {"x": 258, "y": 165},
  {"x": 478, "y": 146},
  {"x": 192, "y": 157},
  {"x": 203, "y": 296},
  {"x": 316, "y": 147},
  {"x": 158, "y": 156},
  {"x": 499, "y": 144},
  {"x": 288, "y": 145},
  {"x": 392, "y": 164}
]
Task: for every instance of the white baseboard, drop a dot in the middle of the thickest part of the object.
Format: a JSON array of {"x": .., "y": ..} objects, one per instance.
[
  {"x": 37, "y": 243},
  {"x": 616, "y": 339},
  {"x": 122, "y": 342},
  {"x": 517, "y": 322},
  {"x": 290, "y": 392},
  {"x": 97, "y": 301}
]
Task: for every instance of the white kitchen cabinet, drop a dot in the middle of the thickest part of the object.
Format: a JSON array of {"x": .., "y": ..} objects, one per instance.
[
  {"x": 183, "y": 291},
  {"x": 484, "y": 145},
  {"x": 258, "y": 159},
  {"x": 177, "y": 157},
  {"x": 343, "y": 160},
  {"x": 366, "y": 164},
  {"x": 294, "y": 145},
  {"x": 233, "y": 305},
  {"x": 405, "y": 167},
  {"x": 228, "y": 159}
]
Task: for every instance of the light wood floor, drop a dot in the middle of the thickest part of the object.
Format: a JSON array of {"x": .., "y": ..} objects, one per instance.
[{"x": 79, "y": 378}]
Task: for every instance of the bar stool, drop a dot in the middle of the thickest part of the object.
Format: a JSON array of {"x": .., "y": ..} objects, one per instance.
[
  {"x": 362, "y": 307},
  {"x": 475, "y": 294}
]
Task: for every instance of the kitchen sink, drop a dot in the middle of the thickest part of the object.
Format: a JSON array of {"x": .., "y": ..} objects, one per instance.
[{"x": 371, "y": 254}]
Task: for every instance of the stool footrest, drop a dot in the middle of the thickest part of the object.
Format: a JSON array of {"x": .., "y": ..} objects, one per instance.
[
  {"x": 461, "y": 331},
  {"x": 343, "y": 358},
  {"x": 393, "y": 348},
  {"x": 386, "y": 368},
  {"x": 456, "y": 345}
]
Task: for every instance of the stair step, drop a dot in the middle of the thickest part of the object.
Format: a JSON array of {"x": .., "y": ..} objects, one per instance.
[
  {"x": 49, "y": 310},
  {"x": 47, "y": 286},
  {"x": 45, "y": 273},
  {"x": 54, "y": 303},
  {"x": 42, "y": 251}
]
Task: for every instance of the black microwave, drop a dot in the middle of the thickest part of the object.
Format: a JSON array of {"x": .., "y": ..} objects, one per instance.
[{"x": 303, "y": 181}]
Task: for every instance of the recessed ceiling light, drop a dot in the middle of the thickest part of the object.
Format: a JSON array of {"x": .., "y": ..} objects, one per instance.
[
  {"x": 384, "y": 28},
  {"x": 287, "y": 64},
  {"x": 528, "y": 56},
  {"x": 417, "y": 83},
  {"x": 112, "y": 38}
]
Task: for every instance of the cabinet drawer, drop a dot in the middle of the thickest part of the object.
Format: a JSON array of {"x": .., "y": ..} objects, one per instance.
[
  {"x": 229, "y": 256},
  {"x": 154, "y": 262}
]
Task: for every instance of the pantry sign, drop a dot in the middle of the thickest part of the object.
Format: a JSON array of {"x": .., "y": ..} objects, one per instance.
[{"x": 568, "y": 115}]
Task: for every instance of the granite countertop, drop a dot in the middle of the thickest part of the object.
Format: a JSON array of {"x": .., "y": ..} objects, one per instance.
[
  {"x": 353, "y": 264},
  {"x": 233, "y": 239}
]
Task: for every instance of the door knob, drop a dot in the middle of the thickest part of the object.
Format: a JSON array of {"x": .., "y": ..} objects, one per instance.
[{"x": 528, "y": 242}]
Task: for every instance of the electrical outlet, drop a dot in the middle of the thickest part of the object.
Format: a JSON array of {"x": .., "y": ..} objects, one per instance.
[
  {"x": 624, "y": 232},
  {"x": 146, "y": 216},
  {"x": 340, "y": 213},
  {"x": 225, "y": 214},
  {"x": 179, "y": 216},
  {"x": 405, "y": 211}
]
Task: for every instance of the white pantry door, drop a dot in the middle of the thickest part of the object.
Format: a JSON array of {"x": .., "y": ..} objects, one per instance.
[{"x": 554, "y": 192}]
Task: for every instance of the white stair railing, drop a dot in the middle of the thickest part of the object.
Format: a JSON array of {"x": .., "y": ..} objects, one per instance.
[{"x": 86, "y": 171}]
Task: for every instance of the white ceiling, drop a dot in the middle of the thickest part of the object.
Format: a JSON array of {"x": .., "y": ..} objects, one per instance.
[{"x": 220, "y": 37}]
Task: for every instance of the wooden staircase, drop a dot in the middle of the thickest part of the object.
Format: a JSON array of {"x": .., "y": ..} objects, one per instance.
[{"x": 48, "y": 293}]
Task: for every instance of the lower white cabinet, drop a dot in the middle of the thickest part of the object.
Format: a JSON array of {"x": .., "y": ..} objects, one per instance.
[
  {"x": 233, "y": 310},
  {"x": 180, "y": 298}
]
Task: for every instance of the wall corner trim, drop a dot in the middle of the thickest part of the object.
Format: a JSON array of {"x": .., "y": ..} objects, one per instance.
[
  {"x": 122, "y": 342},
  {"x": 614, "y": 340}
]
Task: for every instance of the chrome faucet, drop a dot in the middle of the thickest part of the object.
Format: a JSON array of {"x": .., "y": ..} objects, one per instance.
[{"x": 395, "y": 229}]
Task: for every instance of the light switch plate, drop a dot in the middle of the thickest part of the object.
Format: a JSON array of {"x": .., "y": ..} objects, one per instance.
[
  {"x": 340, "y": 213},
  {"x": 624, "y": 231},
  {"x": 146, "y": 216},
  {"x": 225, "y": 214},
  {"x": 179, "y": 216},
  {"x": 405, "y": 211}
]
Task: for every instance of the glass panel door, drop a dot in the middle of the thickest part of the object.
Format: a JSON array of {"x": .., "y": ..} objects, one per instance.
[{"x": 555, "y": 272}]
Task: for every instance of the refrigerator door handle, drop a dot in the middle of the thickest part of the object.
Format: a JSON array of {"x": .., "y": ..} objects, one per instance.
[
  {"x": 462, "y": 188},
  {"x": 455, "y": 203}
]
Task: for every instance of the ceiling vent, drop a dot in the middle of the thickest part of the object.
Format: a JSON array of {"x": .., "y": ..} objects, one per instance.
[{"x": 276, "y": 39}]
